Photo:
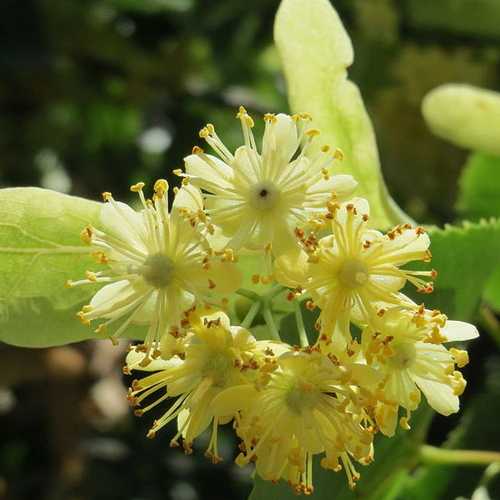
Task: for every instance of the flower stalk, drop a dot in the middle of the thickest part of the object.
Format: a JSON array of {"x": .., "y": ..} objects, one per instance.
[{"x": 442, "y": 456}]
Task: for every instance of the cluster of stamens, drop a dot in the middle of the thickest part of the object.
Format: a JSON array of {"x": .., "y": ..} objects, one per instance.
[{"x": 172, "y": 267}]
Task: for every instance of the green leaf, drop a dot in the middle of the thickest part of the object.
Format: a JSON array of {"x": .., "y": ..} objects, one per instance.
[
  {"x": 464, "y": 256},
  {"x": 492, "y": 292},
  {"x": 378, "y": 480},
  {"x": 40, "y": 249},
  {"x": 479, "y": 194},
  {"x": 315, "y": 51}
]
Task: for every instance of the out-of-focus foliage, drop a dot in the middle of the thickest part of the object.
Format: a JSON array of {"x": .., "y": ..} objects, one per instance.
[
  {"x": 480, "y": 187},
  {"x": 96, "y": 95},
  {"x": 467, "y": 17},
  {"x": 480, "y": 197}
]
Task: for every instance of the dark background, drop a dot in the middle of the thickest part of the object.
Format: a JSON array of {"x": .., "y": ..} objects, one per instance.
[{"x": 98, "y": 94}]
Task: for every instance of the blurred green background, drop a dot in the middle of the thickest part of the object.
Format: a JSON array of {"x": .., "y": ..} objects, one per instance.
[{"x": 98, "y": 94}]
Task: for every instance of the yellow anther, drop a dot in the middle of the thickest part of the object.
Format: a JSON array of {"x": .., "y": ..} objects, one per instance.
[
  {"x": 228, "y": 255},
  {"x": 255, "y": 279},
  {"x": 460, "y": 356},
  {"x": 270, "y": 117},
  {"x": 210, "y": 128},
  {"x": 135, "y": 188},
  {"x": 204, "y": 133},
  {"x": 325, "y": 148},
  {"x": 403, "y": 423},
  {"x": 241, "y": 112},
  {"x": 249, "y": 121},
  {"x": 91, "y": 276},
  {"x": 175, "y": 190},
  {"x": 338, "y": 154},
  {"x": 82, "y": 318},
  {"x": 68, "y": 284},
  {"x": 87, "y": 308},
  {"x": 101, "y": 329},
  {"x": 197, "y": 150},
  {"x": 107, "y": 196},
  {"x": 100, "y": 257},
  {"x": 161, "y": 187},
  {"x": 305, "y": 116},
  {"x": 178, "y": 172},
  {"x": 312, "y": 132},
  {"x": 86, "y": 235},
  {"x": 459, "y": 383}
]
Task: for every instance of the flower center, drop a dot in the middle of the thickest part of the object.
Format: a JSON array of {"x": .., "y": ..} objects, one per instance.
[
  {"x": 353, "y": 273},
  {"x": 217, "y": 367},
  {"x": 404, "y": 356},
  {"x": 301, "y": 395},
  {"x": 264, "y": 196},
  {"x": 157, "y": 270}
]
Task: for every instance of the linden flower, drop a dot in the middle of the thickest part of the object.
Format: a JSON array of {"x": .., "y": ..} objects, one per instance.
[
  {"x": 259, "y": 198},
  {"x": 355, "y": 271},
  {"x": 159, "y": 263},
  {"x": 406, "y": 349},
  {"x": 215, "y": 356},
  {"x": 305, "y": 408}
]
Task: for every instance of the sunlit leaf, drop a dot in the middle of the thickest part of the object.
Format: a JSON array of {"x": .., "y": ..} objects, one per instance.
[
  {"x": 40, "y": 249},
  {"x": 479, "y": 196},
  {"x": 316, "y": 51},
  {"x": 464, "y": 256}
]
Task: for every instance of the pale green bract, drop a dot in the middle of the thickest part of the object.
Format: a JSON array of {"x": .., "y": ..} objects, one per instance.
[
  {"x": 465, "y": 115},
  {"x": 40, "y": 249},
  {"x": 315, "y": 51}
]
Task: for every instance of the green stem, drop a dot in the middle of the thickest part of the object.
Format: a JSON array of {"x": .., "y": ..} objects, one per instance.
[
  {"x": 304, "y": 341},
  {"x": 268, "y": 317},
  {"x": 275, "y": 290},
  {"x": 490, "y": 323},
  {"x": 250, "y": 316},
  {"x": 443, "y": 456},
  {"x": 248, "y": 294}
]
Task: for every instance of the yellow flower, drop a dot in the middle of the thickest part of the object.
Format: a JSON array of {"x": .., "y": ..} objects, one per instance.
[
  {"x": 306, "y": 407},
  {"x": 215, "y": 356},
  {"x": 355, "y": 271},
  {"x": 407, "y": 350},
  {"x": 259, "y": 198},
  {"x": 159, "y": 263}
]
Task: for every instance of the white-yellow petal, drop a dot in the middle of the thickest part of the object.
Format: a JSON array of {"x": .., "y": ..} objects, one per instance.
[
  {"x": 458, "y": 331},
  {"x": 439, "y": 396},
  {"x": 233, "y": 399}
]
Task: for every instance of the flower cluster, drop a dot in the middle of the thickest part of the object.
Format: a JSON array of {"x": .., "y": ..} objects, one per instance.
[{"x": 361, "y": 370}]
